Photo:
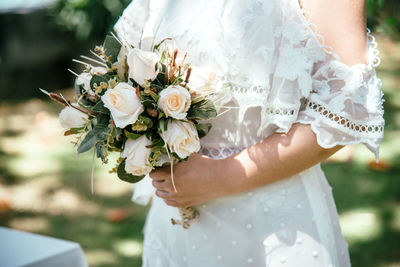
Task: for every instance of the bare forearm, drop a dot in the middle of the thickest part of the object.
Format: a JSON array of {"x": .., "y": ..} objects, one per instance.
[{"x": 276, "y": 157}]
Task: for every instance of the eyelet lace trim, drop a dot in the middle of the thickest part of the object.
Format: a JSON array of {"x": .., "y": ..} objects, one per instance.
[
  {"x": 344, "y": 122},
  {"x": 373, "y": 53},
  {"x": 219, "y": 152},
  {"x": 282, "y": 111},
  {"x": 245, "y": 90}
]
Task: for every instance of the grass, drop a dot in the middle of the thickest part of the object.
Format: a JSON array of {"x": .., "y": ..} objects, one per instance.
[{"x": 45, "y": 186}]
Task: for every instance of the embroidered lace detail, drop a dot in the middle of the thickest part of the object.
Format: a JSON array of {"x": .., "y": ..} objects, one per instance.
[
  {"x": 314, "y": 28},
  {"x": 219, "y": 153},
  {"x": 245, "y": 90},
  {"x": 373, "y": 56},
  {"x": 373, "y": 53},
  {"x": 342, "y": 121}
]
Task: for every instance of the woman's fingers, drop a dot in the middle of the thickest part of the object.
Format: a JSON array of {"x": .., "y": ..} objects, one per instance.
[
  {"x": 159, "y": 175},
  {"x": 162, "y": 185},
  {"x": 172, "y": 203},
  {"x": 163, "y": 194}
]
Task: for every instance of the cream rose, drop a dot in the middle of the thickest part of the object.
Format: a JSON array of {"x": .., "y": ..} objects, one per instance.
[
  {"x": 202, "y": 81},
  {"x": 124, "y": 104},
  {"x": 72, "y": 118},
  {"x": 137, "y": 156},
  {"x": 182, "y": 138},
  {"x": 142, "y": 65},
  {"x": 174, "y": 101}
]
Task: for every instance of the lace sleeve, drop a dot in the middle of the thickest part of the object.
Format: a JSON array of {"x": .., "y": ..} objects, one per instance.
[{"x": 345, "y": 104}]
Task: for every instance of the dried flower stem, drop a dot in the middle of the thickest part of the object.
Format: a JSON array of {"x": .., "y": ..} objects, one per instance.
[
  {"x": 55, "y": 97},
  {"x": 189, "y": 71}
]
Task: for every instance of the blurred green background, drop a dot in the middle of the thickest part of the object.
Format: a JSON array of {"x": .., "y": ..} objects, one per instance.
[{"x": 45, "y": 186}]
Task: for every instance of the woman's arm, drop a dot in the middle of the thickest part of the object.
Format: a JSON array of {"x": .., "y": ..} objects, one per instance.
[{"x": 279, "y": 156}]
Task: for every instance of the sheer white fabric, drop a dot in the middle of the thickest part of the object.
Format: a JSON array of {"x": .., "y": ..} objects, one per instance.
[{"x": 274, "y": 70}]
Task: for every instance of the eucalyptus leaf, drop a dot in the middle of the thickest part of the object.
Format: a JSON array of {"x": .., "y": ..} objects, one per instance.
[
  {"x": 99, "y": 133},
  {"x": 100, "y": 108},
  {"x": 97, "y": 79},
  {"x": 88, "y": 142},
  {"x": 99, "y": 151},
  {"x": 202, "y": 110},
  {"x": 127, "y": 177},
  {"x": 112, "y": 47},
  {"x": 203, "y": 129}
]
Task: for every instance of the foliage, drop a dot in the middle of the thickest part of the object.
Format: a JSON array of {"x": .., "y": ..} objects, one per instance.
[
  {"x": 89, "y": 19},
  {"x": 94, "y": 18},
  {"x": 384, "y": 16}
]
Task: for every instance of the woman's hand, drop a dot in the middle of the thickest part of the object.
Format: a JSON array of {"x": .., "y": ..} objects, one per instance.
[{"x": 196, "y": 181}]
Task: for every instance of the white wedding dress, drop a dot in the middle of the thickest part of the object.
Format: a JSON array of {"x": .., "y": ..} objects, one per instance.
[{"x": 275, "y": 71}]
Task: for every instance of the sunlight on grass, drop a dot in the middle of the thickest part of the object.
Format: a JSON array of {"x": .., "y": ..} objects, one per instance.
[
  {"x": 35, "y": 224},
  {"x": 100, "y": 256},
  {"x": 46, "y": 194},
  {"x": 129, "y": 248},
  {"x": 360, "y": 225},
  {"x": 396, "y": 218}
]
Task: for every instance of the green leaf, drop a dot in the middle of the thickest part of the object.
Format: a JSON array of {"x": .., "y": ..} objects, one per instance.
[
  {"x": 133, "y": 136},
  {"x": 112, "y": 47},
  {"x": 158, "y": 143},
  {"x": 97, "y": 79},
  {"x": 99, "y": 133},
  {"x": 148, "y": 103},
  {"x": 127, "y": 177},
  {"x": 163, "y": 125},
  {"x": 162, "y": 41},
  {"x": 88, "y": 142},
  {"x": 202, "y": 110},
  {"x": 160, "y": 114},
  {"x": 203, "y": 129},
  {"x": 100, "y": 108},
  {"x": 146, "y": 121},
  {"x": 99, "y": 151}
]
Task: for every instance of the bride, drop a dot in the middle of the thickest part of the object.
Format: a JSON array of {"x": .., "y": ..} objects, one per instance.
[{"x": 299, "y": 85}]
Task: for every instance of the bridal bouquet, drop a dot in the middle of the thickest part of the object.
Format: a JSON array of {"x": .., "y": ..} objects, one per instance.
[{"x": 141, "y": 104}]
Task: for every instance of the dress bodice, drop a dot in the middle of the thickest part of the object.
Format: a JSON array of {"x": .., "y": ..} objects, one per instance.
[{"x": 273, "y": 69}]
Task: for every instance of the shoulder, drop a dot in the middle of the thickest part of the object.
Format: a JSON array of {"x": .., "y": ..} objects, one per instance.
[{"x": 343, "y": 25}]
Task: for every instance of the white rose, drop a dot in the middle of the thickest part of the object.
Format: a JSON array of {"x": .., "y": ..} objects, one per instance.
[
  {"x": 202, "y": 81},
  {"x": 124, "y": 104},
  {"x": 142, "y": 65},
  {"x": 72, "y": 118},
  {"x": 174, "y": 101},
  {"x": 98, "y": 71},
  {"x": 84, "y": 80},
  {"x": 137, "y": 156},
  {"x": 182, "y": 138}
]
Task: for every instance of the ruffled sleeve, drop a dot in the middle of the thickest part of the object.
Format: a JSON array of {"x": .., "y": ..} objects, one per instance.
[
  {"x": 345, "y": 103},
  {"x": 131, "y": 25}
]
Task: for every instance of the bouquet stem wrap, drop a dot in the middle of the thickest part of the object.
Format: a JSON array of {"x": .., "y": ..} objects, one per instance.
[{"x": 189, "y": 215}]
